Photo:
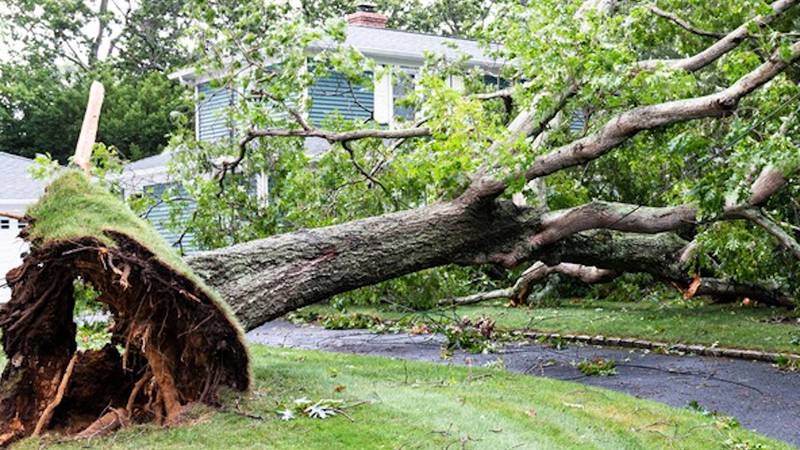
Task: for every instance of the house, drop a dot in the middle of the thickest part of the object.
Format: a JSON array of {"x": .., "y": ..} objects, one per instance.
[
  {"x": 401, "y": 51},
  {"x": 17, "y": 191}
]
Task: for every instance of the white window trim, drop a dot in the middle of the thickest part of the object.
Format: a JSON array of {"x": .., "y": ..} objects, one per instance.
[
  {"x": 262, "y": 188},
  {"x": 383, "y": 100},
  {"x": 456, "y": 82}
]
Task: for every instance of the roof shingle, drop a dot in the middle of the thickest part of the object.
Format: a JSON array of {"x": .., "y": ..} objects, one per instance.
[{"x": 15, "y": 181}]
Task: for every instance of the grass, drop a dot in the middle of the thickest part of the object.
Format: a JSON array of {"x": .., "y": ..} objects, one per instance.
[
  {"x": 691, "y": 322},
  {"x": 73, "y": 207},
  {"x": 425, "y": 405}
]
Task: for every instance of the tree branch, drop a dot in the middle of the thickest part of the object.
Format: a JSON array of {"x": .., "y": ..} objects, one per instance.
[
  {"x": 641, "y": 219},
  {"x": 624, "y": 126},
  {"x": 539, "y": 271},
  {"x": 769, "y": 181},
  {"x": 721, "y": 47},
  {"x": 502, "y": 93},
  {"x": 339, "y": 136},
  {"x": 660, "y": 255},
  {"x": 307, "y": 131},
  {"x": 367, "y": 175},
  {"x": 559, "y": 224},
  {"x": 683, "y": 23},
  {"x": 784, "y": 238},
  {"x": 525, "y": 124}
]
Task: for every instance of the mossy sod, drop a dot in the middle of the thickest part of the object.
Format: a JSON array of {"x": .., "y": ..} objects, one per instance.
[{"x": 173, "y": 342}]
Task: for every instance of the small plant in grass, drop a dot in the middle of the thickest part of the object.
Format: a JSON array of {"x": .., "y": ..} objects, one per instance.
[
  {"x": 694, "y": 405},
  {"x": 727, "y": 423},
  {"x": 497, "y": 364},
  {"x": 738, "y": 443},
  {"x": 598, "y": 367},
  {"x": 795, "y": 339}
]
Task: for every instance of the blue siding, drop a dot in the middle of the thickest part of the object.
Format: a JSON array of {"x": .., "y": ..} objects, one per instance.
[
  {"x": 159, "y": 215},
  {"x": 333, "y": 93},
  {"x": 578, "y": 122},
  {"x": 213, "y": 122}
]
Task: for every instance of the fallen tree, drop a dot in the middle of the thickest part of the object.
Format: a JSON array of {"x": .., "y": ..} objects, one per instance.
[
  {"x": 180, "y": 345},
  {"x": 265, "y": 279}
]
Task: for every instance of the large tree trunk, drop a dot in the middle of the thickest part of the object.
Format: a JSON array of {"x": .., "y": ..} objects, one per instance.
[
  {"x": 268, "y": 278},
  {"x": 265, "y": 279}
]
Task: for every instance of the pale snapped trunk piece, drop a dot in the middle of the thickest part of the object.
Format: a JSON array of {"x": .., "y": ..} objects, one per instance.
[{"x": 91, "y": 120}]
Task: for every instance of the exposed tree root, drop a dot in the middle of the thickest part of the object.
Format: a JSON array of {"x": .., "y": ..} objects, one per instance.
[
  {"x": 109, "y": 422},
  {"x": 44, "y": 420},
  {"x": 180, "y": 346}
]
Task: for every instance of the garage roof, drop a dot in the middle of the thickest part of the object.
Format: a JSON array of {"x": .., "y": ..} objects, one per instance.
[{"x": 15, "y": 181}]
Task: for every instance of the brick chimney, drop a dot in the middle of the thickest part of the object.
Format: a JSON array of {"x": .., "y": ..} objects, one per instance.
[{"x": 365, "y": 16}]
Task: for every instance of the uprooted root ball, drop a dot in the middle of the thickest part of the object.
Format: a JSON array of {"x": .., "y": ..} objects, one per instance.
[{"x": 172, "y": 343}]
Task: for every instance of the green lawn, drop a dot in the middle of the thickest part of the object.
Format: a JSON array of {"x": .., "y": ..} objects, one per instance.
[
  {"x": 424, "y": 405},
  {"x": 674, "y": 322}
]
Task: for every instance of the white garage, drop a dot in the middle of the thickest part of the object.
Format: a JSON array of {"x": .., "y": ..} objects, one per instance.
[{"x": 17, "y": 192}]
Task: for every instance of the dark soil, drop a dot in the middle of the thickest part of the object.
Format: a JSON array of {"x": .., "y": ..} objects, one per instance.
[
  {"x": 760, "y": 396},
  {"x": 171, "y": 344}
]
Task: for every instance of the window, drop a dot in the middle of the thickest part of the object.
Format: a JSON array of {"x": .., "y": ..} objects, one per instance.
[
  {"x": 21, "y": 225},
  {"x": 403, "y": 84},
  {"x": 335, "y": 94},
  {"x": 5, "y": 224}
]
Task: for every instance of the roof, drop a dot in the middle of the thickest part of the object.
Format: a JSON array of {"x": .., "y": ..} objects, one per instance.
[
  {"x": 387, "y": 45},
  {"x": 410, "y": 47},
  {"x": 136, "y": 173},
  {"x": 148, "y": 171},
  {"x": 150, "y": 162},
  {"x": 15, "y": 181}
]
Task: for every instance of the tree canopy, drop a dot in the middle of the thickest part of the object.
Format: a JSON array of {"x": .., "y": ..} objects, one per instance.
[
  {"x": 687, "y": 106},
  {"x": 56, "y": 50}
]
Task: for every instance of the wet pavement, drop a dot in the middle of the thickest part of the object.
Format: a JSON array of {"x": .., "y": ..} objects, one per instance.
[{"x": 757, "y": 394}]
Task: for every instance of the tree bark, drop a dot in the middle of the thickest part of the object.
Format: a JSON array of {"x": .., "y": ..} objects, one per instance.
[{"x": 265, "y": 279}]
